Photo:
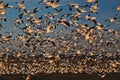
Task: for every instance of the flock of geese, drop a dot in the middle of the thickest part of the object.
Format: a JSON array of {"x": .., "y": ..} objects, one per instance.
[{"x": 58, "y": 41}]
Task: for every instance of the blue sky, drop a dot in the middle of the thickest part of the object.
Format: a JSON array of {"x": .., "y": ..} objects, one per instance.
[{"x": 106, "y": 10}]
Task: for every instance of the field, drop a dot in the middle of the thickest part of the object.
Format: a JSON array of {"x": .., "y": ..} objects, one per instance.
[{"x": 56, "y": 76}]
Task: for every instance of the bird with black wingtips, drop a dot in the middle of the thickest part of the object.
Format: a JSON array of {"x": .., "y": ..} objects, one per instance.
[
  {"x": 83, "y": 9},
  {"x": 90, "y": 2},
  {"x": 94, "y": 8},
  {"x": 51, "y": 16},
  {"x": 3, "y": 19},
  {"x": 9, "y": 6},
  {"x": 53, "y": 42},
  {"x": 36, "y": 21},
  {"x": 9, "y": 33},
  {"x": 33, "y": 12},
  {"x": 77, "y": 7},
  {"x": 36, "y": 9},
  {"x": 5, "y": 6},
  {"x": 48, "y": 28},
  {"x": 6, "y": 38},
  {"x": 51, "y": 3},
  {"x": 89, "y": 18},
  {"x": 17, "y": 21},
  {"x": 58, "y": 10},
  {"x": 76, "y": 16},
  {"x": 111, "y": 19},
  {"x": 94, "y": 20},
  {"x": 1, "y": 5},
  {"x": 21, "y": 6},
  {"x": 65, "y": 15},
  {"x": 63, "y": 22},
  {"x": 100, "y": 27},
  {"x": 3, "y": 11},
  {"x": 55, "y": 4},
  {"x": 21, "y": 15}
]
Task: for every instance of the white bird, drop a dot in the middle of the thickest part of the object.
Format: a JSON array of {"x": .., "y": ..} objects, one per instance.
[
  {"x": 51, "y": 4},
  {"x": 28, "y": 77},
  {"x": 90, "y": 1},
  {"x": 1, "y": 65},
  {"x": 118, "y": 8}
]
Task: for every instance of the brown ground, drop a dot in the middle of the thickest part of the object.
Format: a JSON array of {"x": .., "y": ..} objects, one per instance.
[{"x": 68, "y": 76}]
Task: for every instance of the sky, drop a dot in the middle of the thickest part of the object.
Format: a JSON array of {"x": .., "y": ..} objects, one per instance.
[{"x": 106, "y": 10}]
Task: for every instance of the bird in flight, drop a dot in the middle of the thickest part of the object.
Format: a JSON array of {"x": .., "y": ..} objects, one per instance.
[
  {"x": 51, "y": 3},
  {"x": 90, "y": 1},
  {"x": 118, "y": 8}
]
